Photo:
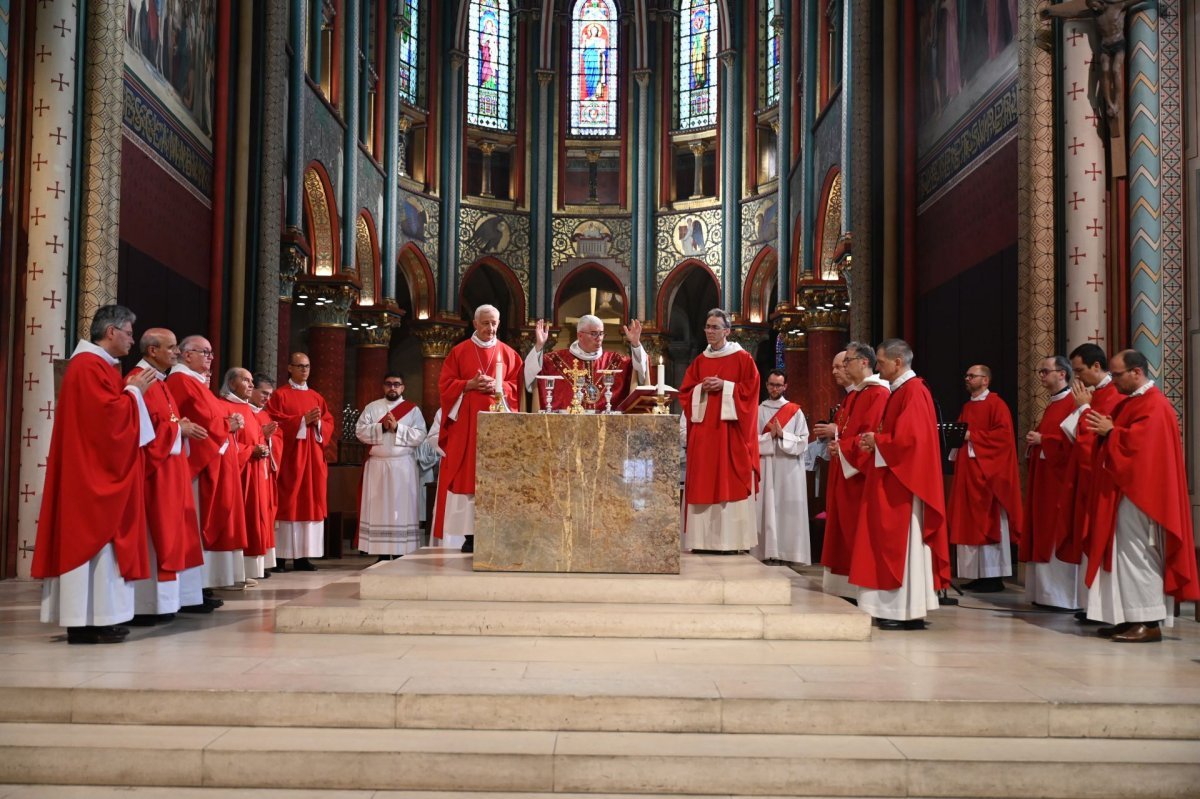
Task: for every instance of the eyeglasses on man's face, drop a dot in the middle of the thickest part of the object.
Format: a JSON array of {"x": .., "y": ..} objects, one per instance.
[
  {"x": 714, "y": 328},
  {"x": 202, "y": 353},
  {"x": 393, "y": 384},
  {"x": 592, "y": 333},
  {"x": 972, "y": 376},
  {"x": 299, "y": 366},
  {"x": 1044, "y": 372}
]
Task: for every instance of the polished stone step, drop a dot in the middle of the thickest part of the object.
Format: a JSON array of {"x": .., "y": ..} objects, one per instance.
[
  {"x": 337, "y": 608},
  {"x": 125, "y": 792},
  {"x": 597, "y": 763},
  {"x": 580, "y": 705},
  {"x": 446, "y": 575}
]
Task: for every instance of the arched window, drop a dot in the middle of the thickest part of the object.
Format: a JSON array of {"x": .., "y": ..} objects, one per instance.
[
  {"x": 489, "y": 60},
  {"x": 410, "y": 52},
  {"x": 594, "y": 68},
  {"x": 768, "y": 64},
  {"x": 696, "y": 57}
]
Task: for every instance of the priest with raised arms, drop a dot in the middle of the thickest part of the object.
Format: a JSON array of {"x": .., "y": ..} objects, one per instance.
[
  {"x": 986, "y": 511},
  {"x": 901, "y": 553},
  {"x": 307, "y": 427},
  {"x": 476, "y": 372},
  {"x": 91, "y": 536},
  {"x": 720, "y": 399},
  {"x": 1049, "y": 582},
  {"x": 587, "y": 354},
  {"x": 849, "y": 464},
  {"x": 1140, "y": 541},
  {"x": 782, "y": 501}
]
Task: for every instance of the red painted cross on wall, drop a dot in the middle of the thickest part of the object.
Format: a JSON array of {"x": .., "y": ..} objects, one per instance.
[
  {"x": 33, "y": 325},
  {"x": 1095, "y": 282},
  {"x": 1074, "y": 37},
  {"x": 27, "y": 492},
  {"x": 1076, "y": 200},
  {"x": 1077, "y": 310},
  {"x": 1075, "y": 145},
  {"x": 53, "y": 299},
  {"x": 1073, "y": 92},
  {"x": 1077, "y": 256},
  {"x": 1095, "y": 228},
  {"x": 1096, "y": 338},
  {"x": 30, "y": 382},
  {"x": 48, "y": 410},
  {"x": 1094, "y": 171},
  {"x": 29, "y": 437},
  {"x": 51, "y": 354}
]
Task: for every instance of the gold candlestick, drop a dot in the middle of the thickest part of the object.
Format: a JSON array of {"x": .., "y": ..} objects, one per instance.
[{"x": 662, "y": 404}]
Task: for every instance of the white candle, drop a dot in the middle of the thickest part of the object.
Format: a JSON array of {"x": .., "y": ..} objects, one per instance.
[
  {"x": 499, "y": 376},
  {"x": 662, "y": 377}
]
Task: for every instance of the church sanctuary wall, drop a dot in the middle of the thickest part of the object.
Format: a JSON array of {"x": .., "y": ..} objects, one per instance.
[{"x": 323, "y": 133}]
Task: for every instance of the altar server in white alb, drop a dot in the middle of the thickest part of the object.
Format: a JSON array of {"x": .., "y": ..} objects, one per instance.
[
  {"x": 389, "y": 517},
  {"x": 782, "y": 501}
]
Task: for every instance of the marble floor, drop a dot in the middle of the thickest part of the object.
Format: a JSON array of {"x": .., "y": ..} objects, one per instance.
[{"x": 992, "y": 649}]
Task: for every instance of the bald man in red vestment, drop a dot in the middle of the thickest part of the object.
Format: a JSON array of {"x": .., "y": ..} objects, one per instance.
[
  {"x": 303, "y": 473},
  {"x": 468, "y": 385},
  {"x": 1049, "y": 582},
  {"x": 901, "y": 552},
  {"x": 254, "y": 455},
  {"x": 720, "y": 399},
  {"x": 587, "y": 354},
  {"x": 985, "y": 510},
  {"x": 264, "y": 387},
  {"x": 849, "y": 465},
  {"x": 1140, "y": 542},
  {"x": 91, "y": 536}
]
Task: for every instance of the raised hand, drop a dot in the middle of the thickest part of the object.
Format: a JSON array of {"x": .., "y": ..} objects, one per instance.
[
  {"x": 541, "y": 334},
  {"x": 633, "y": 333}
]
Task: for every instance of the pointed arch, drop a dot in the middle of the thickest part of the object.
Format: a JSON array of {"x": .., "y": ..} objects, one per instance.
[
  {"x": 829, "y": 226},
  {"x": 760, "y": 281},
  {"x": 321, "y": 220},
  {"x": 670, "y": 286},
  {"x": 579, "y": 276},
  {"x": 414, "y": 268},
  {"x": 509, "y": 278},
  {"x": 366, "y": 258}
]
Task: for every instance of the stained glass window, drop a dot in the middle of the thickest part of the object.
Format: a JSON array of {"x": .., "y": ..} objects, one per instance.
[
  {"x": 594, "y": 68},
  {"x": 769, "y": 62},
  {"x": 697, "y": 59},
  {"x": 489, "y": 59},
  {"x": 410, "y": 52}
]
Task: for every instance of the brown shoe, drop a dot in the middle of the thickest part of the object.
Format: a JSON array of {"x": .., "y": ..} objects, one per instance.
[
  {"x": 1139, "y": 634},
  {"x": 1109, "y": 632}
]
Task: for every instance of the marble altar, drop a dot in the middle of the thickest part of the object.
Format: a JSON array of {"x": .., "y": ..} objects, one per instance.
[{"x": 591, "y": 493}]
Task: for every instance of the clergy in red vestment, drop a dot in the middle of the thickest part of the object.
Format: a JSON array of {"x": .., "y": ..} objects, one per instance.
[
  {"x": 216, "y": 470},
  {"x": 586, "y": 354},
  {"x": 720, "y": 398},
  {"x": 901, "y": 553},
  {"x": 985, "y": 509},
  {"x": 1049, "y": 582},
  {"x": 254, "y": 455},
  {"x": 307, "y": 428},
  {"x": 91, "y": 534},
  {"x": 472, "y": 375},
  {"x": 174, "y": 539},
  {"x": 1140, "y": 542},
  {"x": 849, "y": 464},
  {"x": 264, "y": 387},
  {"x": 1092, "y": 389}
]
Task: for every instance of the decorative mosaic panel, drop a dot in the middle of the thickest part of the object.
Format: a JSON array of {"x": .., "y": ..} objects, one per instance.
[
  {"x": 694, "y": 235},
  {"x": 760, "y": 228},
  {"x": 1170, "y": 87},
  {"x": 419, "y": 223},
  {"x": 598, "y": 238},
  {"x": 505, "y": 237}
]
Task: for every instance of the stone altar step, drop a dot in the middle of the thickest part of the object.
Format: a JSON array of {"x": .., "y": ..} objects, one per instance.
[
  {"x": 337, "y": 608},
  {"x": 446, "y": 575},
  {"x": 597, "y": 762}
]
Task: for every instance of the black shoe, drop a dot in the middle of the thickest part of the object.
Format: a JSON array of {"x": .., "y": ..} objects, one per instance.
[
  {"x": 213, "y": 603},
  {"x": 280, "y": 566},
  {"x": 304, "y": 565},
  {"x": 851, "y": 600},
  {"x": 143, "y": 620},
  {"x": 383, "y": 558},
  {"x": 469, "y": 544},
  {"x": 895, "y": 624},
  {"x": 1081, "y": 617},
  {"x": 985, "y": 585},
  {"x": 203, "y": 607},
  {"x": 96, "y": 635},
  {"x": 266, "y": 574},
  {"x": 1052, "y": 608},
  {"x": 163, "y": 618}
]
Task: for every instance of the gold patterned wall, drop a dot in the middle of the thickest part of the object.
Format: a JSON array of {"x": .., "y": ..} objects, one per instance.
[{"x": 322, "y": 232}]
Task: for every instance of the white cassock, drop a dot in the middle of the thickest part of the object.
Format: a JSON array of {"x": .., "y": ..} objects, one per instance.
[
  {"x": 428, "y": 458},
  {"x": 782, "y": 501},
  {"x": 389, "y": 520}
]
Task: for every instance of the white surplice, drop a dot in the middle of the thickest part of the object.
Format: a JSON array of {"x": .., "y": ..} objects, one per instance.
[
  {"x": 782, "y": 501},
  {"x": 389, "y": 519}
]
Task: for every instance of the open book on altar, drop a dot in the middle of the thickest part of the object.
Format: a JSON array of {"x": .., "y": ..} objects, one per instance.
[{"x": 641, "y": 399}]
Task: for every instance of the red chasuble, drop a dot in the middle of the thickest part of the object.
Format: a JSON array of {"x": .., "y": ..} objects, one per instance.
[
  {"x": 1046, "y": 486},
  {"x": 303, "y": 473},
  {"x": 275, "y": 442},
  {"x": 1071, "y": 525},
  {"x": 908, "y": 440},
  {"x": 222, "y": 515},
  {"x": 255, "y": 480},
  {"x": 94, "y": 477},
  {"x": 593, "y": 387},
  {"x": 989, "y": 481},
  {"x": 844, "y": 494},
  {"x": 1142, "y": 459},
  {"x": 457, "y": 436},
  {"x": 723, "y": 459},
  {"x": 170, "y": 506}
]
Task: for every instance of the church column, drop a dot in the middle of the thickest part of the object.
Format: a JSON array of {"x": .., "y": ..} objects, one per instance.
[
  {"x": 293, "y": 254},
  {"x": 641, "y": 264},
  {"x": 790, "y": 327},
  {"x": 783, "y": 152},
  {"x": 541, "y": 166},
  {"x": 327, "y": 345},
  {"x": 1145, "y": 196},
  {"x": 48, "y": 221},
  {"x": 826, "y": 321},
  {"x": 349, "y": 205},
  {"x": 393, "y": 156},
  {"x": 436, "y": 341},
  {"x": 731, "y": 174},
  {"x": 451, "y": 179},
  {"x": 857, "y": 132},
  {"x": 235, "y": 310},
  {"x": 1083, "y": 214},
  {"x": 271, "y": 138},
  {"x": 371, "y": 346},
  {"x": 101, "y": 203}
]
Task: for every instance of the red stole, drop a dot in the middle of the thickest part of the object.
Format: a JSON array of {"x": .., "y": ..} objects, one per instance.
[
  {"x": 457, "y": 436},
  {"x": 94, "y": 475},
  {"x": 785, "y": 414},
  {"x": 403, "y": 409},
  {"x": 1142, "y": 459},
  {"x": 1072, "y": 520},
  {"x": 908, "y": 441},
  {"x": 864, "y": 410},
  {"x": 989, "y": 481},
  {"x": 1046, "y": 485},
  {"x": 303, "y": 472}
]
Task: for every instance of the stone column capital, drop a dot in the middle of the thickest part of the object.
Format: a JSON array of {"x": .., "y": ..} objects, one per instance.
[
  {"x": 825, "y": 306},
  {"x": 329, "y": 301},
  {"x": 437, "y": 338}
]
